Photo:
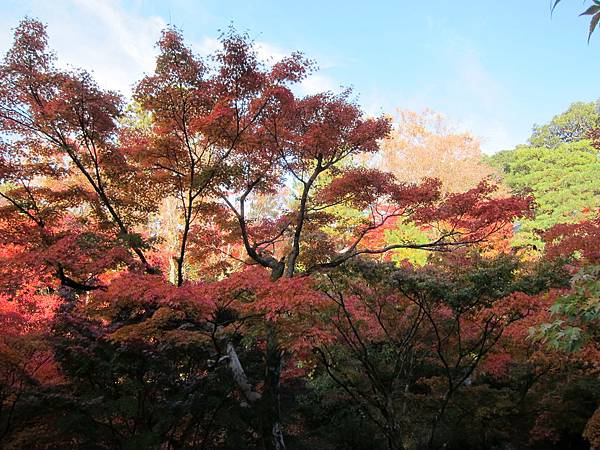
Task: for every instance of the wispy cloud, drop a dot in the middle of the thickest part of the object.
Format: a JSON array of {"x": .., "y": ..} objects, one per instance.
[
  {"x": 206, "y": 46},
  {"x": 475, "y": 96},
  {"x": 316, "y": 83},
  {"x": 270, "y": 53},
  {"x": 116, "y": 44},
  {"x": 313, "y": 84},
  {"x": 133, "y": 34}
]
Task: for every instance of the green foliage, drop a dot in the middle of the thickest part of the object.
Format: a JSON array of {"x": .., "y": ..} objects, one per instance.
[
  {"x": 406, "y": 232},
  {"x": 136, "y": 117},
  {"x": 481, "y": 282},
  {"x": 544, "y": 275},
  {"x": 332, "y": 421},
  {"x": 563, "y": 180},
  {"x": 134, "y": 240},
  {"x": 578, "y": 314},
  {"x": 573, "y": 125},
  {"x": 411, "y": 385}
]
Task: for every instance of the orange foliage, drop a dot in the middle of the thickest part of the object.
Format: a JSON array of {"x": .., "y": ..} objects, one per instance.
[{"x": 423, "y": 145}]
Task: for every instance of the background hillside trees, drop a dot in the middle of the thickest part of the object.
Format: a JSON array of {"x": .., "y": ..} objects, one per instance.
[{"x": 560, "y": 169}]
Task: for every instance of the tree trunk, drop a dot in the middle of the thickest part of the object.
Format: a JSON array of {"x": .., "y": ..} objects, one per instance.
[
  {"x": 240, "y": 376},
  {"x": 272, "y": 433},
  {"x": 394, "y": 437},
  {"x": 393, "y": 442}
]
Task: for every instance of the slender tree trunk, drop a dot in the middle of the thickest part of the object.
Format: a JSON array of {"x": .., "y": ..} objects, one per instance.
[
  {"x": 438, "y": 418},
  {"x": 173, "y": 270},
  {"x": 270, "y": 410},
  {"x": 394, "y": 437}
]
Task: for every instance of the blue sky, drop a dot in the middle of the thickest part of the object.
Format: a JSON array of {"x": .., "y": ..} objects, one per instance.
[{"x": 493, "y": 67}]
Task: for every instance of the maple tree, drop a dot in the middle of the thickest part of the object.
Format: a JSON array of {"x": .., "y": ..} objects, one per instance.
[
  {"x": 593, "y": 11},
  {"x": 204, "y": 121},
  {"x": 59, "y": 154},
  {"x": 575, "y": 315},
  {"x": 419, "y": 335},
  {"x": 424, "y": 145}
]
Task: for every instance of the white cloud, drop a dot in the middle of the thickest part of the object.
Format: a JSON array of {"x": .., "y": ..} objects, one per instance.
[
  {"x": 207, "y": 46},
  {"x": 492, "y": 133},
  {"x": 477, "y": 82},
  {"x": 475, "y": 96},
  {"x": 316, "y": 83},
  {"x": 101, "y": 36},
  {"x": 270, "y": 53},
  {"x": 313, "y": 84},
  {"x": 133, "y": 34},
  {"x": 117, "y": 43},
  {"x": 121, "y": 49}
]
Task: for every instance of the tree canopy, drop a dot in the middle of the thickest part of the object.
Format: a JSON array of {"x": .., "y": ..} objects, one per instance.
[{"x": 559, "y": 167}]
